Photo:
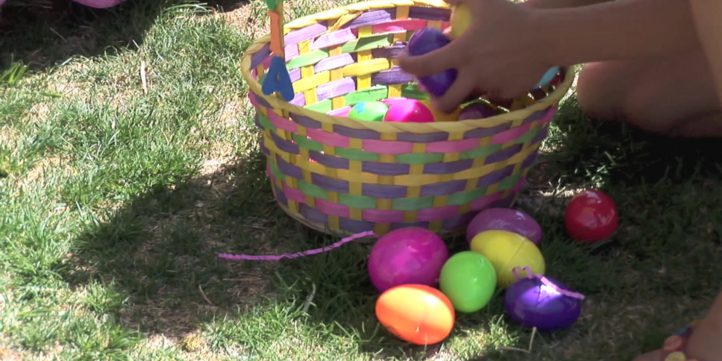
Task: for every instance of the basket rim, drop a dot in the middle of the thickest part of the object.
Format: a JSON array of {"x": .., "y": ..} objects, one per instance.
[{"x": 389, "y": 127}]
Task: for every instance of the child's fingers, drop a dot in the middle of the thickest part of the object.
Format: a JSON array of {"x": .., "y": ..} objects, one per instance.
[
  {"x": 457, "y": 93},
  {"x": 429, "y": 63}
]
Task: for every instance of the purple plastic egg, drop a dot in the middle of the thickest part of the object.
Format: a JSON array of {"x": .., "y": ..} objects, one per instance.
[
  {"x": 477, "y": 111},
  {"x": 410, "y": 255},
  {"x": 542, "y": 303},
  {"x": 425, "y": 41},
  {"x": 505, "y": 219}
]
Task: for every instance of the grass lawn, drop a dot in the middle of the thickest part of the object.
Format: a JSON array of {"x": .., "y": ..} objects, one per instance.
[{"x": 115, "y": 196}]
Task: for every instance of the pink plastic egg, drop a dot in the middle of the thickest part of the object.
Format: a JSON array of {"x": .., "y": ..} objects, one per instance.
[
  {"x": 410, "y": 255},
  {"x": 407, "y": 111}
]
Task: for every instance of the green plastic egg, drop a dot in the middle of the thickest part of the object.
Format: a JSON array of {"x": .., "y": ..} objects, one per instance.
[
  {"x": 369, "y": 111},
  {"x": 468, "y": 279}
]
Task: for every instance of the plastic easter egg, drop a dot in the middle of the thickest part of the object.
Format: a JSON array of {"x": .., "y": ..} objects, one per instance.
[
  {"x": 369, "y": 111},
  {"x": 404, "y": 110},
  {"x": 424, "y": 41},
  {"x": 469, "y": 280},
  {"x": 440, "y": 116},
  {"x": 407, "y": 255},
  {"x": 460, "y": 20},
  {"x": 418, "y": 314},
  {"x": 542, "y": 303},
  {"x": 591, "y": 217},
  {"x": 506, "y": 251},
  {"x": 477, "y": 110},
  {"x": 505, "y": 219}
]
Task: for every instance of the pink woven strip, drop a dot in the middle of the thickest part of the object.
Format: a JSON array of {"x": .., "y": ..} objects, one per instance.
[
  {"x": 332, "y": 139},
  {"x": 267, "y": 62},
  {"x": 484, "y": 202},
  {"x": 333, "y": 38},
  {"x": 383, "y": 216},
  {"x": 510, "y": 135},
  {"x": 310, "y": 252},
  {"x": 281, "y": 122},
  {"x": 399, "y": 26},
  {"x": 452, "y": 146},
  {"x": 437, "y": 214},
  {"x": 332, "y": 209},
  {"x": 340, "y": 112},
  {"x": 294, "y": 194},
  {"x": 387, "y": 146},
  {"x": 254, "y": 100}
]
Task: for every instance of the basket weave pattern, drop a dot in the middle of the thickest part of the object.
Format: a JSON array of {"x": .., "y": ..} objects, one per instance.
[{"x": 342, "y": 176}]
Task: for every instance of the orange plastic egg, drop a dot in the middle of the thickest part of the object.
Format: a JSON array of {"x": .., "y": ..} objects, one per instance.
[{"x": 418, "y": 314}]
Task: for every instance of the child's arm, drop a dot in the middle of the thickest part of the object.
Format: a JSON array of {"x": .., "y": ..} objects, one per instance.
[{"x": 707, "y": 16}]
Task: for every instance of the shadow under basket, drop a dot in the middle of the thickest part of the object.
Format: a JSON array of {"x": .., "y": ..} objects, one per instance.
[{"x": 341, "y": 176}]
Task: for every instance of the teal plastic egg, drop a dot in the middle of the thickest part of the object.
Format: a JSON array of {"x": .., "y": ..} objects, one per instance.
[{"x": 369, "y": 111}]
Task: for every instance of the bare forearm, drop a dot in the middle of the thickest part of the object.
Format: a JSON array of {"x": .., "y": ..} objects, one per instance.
[
  {"x": 707, "y": 15},
  {"x": 622, "y": 29}
]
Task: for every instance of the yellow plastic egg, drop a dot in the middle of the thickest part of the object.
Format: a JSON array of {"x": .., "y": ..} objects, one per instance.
[
  {"x": 506, "y": 251},
  {"x": 460, "y": 20}
]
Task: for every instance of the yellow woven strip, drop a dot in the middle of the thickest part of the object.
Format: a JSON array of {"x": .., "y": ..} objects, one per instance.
[
  {"x": 453, "y": 156},
  {"x": 402, "y": 12},
  {"x": 354, "y": 179},
  {"x": 336, "y": 74},
  {"x": 364, "y": 81},
  {"x": 394, "y": 91},
  {"x": 366, "y": 67},
  {"x": 414, "y": 192},
  {"x": 304, "y": 47},
  {"x": 311, "y": 82}
]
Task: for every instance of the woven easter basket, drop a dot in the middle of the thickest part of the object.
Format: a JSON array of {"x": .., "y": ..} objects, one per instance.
[{"x": 342, "y": 176}]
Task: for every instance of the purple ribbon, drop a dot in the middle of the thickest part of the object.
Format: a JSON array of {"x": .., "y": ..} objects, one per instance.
[
  {"x": 546, "y": 282},
  {"x": 310, "y": 252}
]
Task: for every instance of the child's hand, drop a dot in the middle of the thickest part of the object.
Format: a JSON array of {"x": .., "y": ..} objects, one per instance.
[{"x": 497, "y": 56}]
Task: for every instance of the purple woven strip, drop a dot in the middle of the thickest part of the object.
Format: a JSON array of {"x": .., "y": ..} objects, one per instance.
[
  {"x": 529, "y": 161},
  {"x": 429, "y": 13},
  {"x": 280, "y": 196},
  {"x": 392, "y": 76},
  {"x": 329, "y": 184},
  {"x": 265, "y": 150},
  {"x": 284, "y": 145},
  {"x": 356, "y": 133},
  {"x": 457, "y": 221},
  {"x": 485, "y": 132},
  {"x": 442, "y": 189},
  {"x": 329, "y": 160},
  {"x": 262, "y": 102},
  {"x": 288, "y": 168},
  {"x": 448, "y": 167},
  {"x": 298, "y": 100},
  {"x": 261, "y": 55},
  {"x": 422, "y": 137},
  {"x": 334, "y": 62},
  {"x": 305, "y": 121},
  {"x": 335, "y": 88},
  {"x": 370, "y": 18},
  {"x": 307, "y": 33},
  {"x": 333, "y": 38},
  {"x": 290, "y": 51},
  {"x": 312, "y": 214},
  {"x": 385, "y": 168},
  {"x": 503, "y": 154},
  {"x": 541, "y": 135},
  {"x": 354, "y": 226},
  {"x": 494, "y": 177},
  {"x": 538, "y": 115},
  {"x": 388, "y": 52},
  {"x": 395, "y": 226},
  {"x": 383, "y": 190},
  {"x": 295, "y": 74}
]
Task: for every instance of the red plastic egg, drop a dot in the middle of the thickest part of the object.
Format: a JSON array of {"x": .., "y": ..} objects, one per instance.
[{"x": 591, "y": 217}]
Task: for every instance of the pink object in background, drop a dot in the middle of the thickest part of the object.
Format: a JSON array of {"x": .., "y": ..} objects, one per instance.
[
  {"x": 98, "y": 4},
  {"x": 410, "y": 255},
  {"x": 407, "y": 111},
  {"x": 2, "y": 2}
]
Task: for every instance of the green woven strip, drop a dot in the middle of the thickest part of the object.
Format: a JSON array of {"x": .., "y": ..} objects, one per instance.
[
  {"x": 509, "y": 182},
  {"x": 371, "y": 42},
  {"x": 371, "y": 94},
  {"x": 265, "y": 122},
  {"x": 528, "y": 136},
  {"x": 321, "y": 107},
  {"x": 312, "y": 190},
  {"x": 306, "y": 143},
  {"x": 412, "y": 204},
  {"x": 412, "y": 91},
  {"x": 361, "y": 202},
  {"x": 307, "y": 59},
  {"x": 419, "y": 158},
  {"x": 460, "y": 198},
  {"x": 480, "y": 152},
  {"x": 277, "y": 172},
  {"x": 355, "y": 154}
]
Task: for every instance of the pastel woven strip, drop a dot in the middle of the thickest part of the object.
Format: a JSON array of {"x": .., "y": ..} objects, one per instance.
[{"x": 342, "y": 176}]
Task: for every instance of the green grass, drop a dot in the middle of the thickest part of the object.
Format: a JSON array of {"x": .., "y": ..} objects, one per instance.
[{"x": 115, "y": 200}]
